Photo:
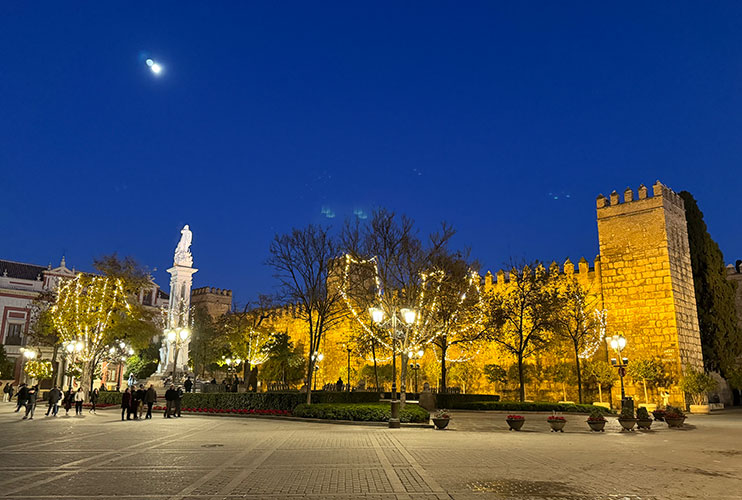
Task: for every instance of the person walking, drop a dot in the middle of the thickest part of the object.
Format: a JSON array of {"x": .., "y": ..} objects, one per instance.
[
  {"x": 22, "y": 397},
  {"x": 79, "y": 399},
  {"x": 126, "y": 404},
  {"x": 8, "y": 392},
  {"x": 67, "y": 402},
  {"x": 54, "y": 396},
  {"x": 31, "y": 402},
  {"x": 170, "y": 396},
  {"x": 150, "y": 397},
  {"x": 188, "y": 384},
  {"x": 93, "y": 400},
  {"x": 140, "y": 395}
]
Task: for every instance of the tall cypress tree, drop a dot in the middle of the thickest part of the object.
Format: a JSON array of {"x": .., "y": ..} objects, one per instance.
[{"x": 721, "y": 335}]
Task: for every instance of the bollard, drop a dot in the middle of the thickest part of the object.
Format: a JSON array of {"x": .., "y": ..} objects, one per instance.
[{"x": 394, "y": 420}]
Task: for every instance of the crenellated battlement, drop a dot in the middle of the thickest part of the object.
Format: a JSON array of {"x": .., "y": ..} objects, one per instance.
[
  {"x": 584, "y": 272},
  {"x": 212, "y": 291},
  {"x": 660, "y": 193}
]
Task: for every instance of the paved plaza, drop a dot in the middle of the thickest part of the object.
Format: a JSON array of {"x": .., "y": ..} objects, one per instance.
[{"x": 98, "y": 456}]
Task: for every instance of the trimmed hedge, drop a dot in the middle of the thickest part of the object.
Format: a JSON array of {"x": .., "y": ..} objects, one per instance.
[
  {"x": 543, "y": 406},
  {"x": 256, "y": 400},
  {"x": 369, "y": 412},
  {"x": 453, "y": 401}
]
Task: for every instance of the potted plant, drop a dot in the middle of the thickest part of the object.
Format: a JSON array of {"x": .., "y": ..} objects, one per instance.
[
  {"x": 515, "y": 422},
  {"x": 674, "y": 416},
  {"x": 643, "y": 420},
  {"x": 659, "y": 415},
  {"x": 698, "y": 385},
  {"x": 596, "y": 421},
  {"x": 556, "y": 423},
  {"x": 626, "y": 418},
  {"x": 441, "y": 419}
]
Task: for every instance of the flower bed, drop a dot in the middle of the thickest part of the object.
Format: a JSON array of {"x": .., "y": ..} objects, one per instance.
[{"x": 517, "y": 406}]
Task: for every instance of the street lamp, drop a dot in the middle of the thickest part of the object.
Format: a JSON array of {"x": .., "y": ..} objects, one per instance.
[
  {"x": 317, "y": 358},
  {"x": 618, "y": 343},
  {"x": 408, "y": 317},
  {"x": 414, "y": 365}
]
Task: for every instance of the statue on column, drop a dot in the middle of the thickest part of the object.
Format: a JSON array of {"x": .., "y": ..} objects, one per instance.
[{"x": 183, "y": 255}]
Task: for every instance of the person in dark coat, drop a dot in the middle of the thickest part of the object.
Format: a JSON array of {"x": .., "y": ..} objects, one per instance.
[
  {"x": 8, "y": 391},
  {"x": 178, "y": 398},
  {"x": 170, "y": 396},
  {"x": 150, "y": 397},
  {"x": 69, "y": 398},
  {"x": 93, "y": 400},
  {"x": 126, "y": 404},
  {"x": 139, "y": 396},
  {"x": 31, "y": 402},
  {"x": 188, "y": 384},
  {"x": 339, "y": 385},
  {"x": 54, "y": 396},
  {"x": 22, "y": 397}
]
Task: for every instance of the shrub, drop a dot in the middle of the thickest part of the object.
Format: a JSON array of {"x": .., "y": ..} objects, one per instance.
[
  {"x": 698, "y": 385},
  {"x": 517, "y": 406},
  {"x": 364, "y": 412},
  {"x": 256, "y": 400},
  {"x": 454, "y": 401},
  {"x": 596, "y": 415},
  {"x": 642, "y": 413},
  {"x": 673, "y": 412},
  {"x": 626, "y": 413}
]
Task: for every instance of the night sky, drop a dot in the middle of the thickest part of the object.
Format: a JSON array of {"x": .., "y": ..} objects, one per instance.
[{"x": 506, "y": 121}]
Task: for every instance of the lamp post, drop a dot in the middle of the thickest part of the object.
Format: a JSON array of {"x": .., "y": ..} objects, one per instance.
[
  {"x": 72, "y": 347},
  {"x": 408, "y": 317},
  {"x": 317, "y": 358},
  {"x": 177, "y": 336},
  {"x": 618, "y": 343},
  {"x": 28, "y": 354},
  {"x": 347, "y": 381},
  {"x": 415, "y": 365},
  {"x": 119, "y": 353}
]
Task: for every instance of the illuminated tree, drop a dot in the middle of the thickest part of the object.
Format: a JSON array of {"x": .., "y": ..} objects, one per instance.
[
  {"x": 245, "y": 334},
  {"x": 38, "y": 369},
  {"x": 647, "y": 370},
  {"x": 520, "y": 314},
  {"x": 496, "y": 375},
  {"x": 603, "y": 374},
  {"x": 579, "y": 322},
  {"x": 457, "y": 318},
  {"x": 87, "y": 310}
]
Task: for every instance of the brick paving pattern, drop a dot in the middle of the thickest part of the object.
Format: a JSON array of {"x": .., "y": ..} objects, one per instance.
[{"x": 199, "y": 457}]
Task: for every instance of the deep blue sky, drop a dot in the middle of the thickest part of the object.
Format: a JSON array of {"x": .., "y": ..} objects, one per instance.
[{"x": 476, "y": 113}]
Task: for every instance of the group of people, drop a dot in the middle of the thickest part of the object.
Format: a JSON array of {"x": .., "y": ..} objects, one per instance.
[
  {"x": 27, "y": 397},
  {"x": 134, "y": 399}
]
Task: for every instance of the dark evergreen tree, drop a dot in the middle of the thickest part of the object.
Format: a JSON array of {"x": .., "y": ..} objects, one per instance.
[{"x": 721, "y": 335}]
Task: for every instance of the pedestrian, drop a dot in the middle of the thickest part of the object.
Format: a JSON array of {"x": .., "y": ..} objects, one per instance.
[
  {"x": 22, "y": 397},
  {"x": 7, "y": 392},
  {"x": 150, "y": 397},
  {"x": 140, "y": 394},
  {"x": 170, "y": 396},
  {"x": 126, "y": 404},
  {"x": 131, "y": 380},
  {"x": 93, "y": 400},
  {"x": 178, "y": 398},
  {"x": 79, "y": 399},
  {"x": 213, "y": 381},
  {"x": 54, "y": 396},
  {"x": 103, "y": 386},
  {"x": 31, "y": 402},
  {"x": 67, "y": 402},
  {"x": 339, "y": 384},
  {"x": 188, "y": 384}
]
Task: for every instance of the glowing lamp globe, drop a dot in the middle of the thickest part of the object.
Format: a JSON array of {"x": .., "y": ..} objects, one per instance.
[
  {"x": 377, "y": 315},
  {"x": 184, "y": 333},
  {"x": 170, "y": 335},
  {"x": 408, "y": 315}
]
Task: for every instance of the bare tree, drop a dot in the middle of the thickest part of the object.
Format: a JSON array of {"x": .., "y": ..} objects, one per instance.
[
  {"x": 520, "y": 313},
  {"x": 303, "y": 262},
  {"x": 245, "y": 332}
]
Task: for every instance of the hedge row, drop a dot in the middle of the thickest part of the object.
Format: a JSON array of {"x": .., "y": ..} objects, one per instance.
[
  {"x": 454, "y": 401},
  {"x": 369, "y": 412},
  {"x": 256, "y": 400},
  {"x": 517, "y": 406}
]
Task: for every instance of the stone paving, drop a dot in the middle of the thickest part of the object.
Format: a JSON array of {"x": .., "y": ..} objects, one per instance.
[{"x": 198, "y": 457}]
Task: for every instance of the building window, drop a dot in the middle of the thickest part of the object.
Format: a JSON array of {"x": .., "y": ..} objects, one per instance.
[
  {"x": 147, "y": 298},
  {"x": 13, "y": 334}
]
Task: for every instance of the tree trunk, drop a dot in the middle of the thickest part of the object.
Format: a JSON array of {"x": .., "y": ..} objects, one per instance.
[
  {"x": 402, "y": 378},
  {"x": 444, "y": 349},
  {"x": 564, "y": 392},
  {"x": 86, "y": 377},
  {"x": 521, "y": 378},
  {"x": 310, "y": 370},
  {"x": 579, "y": 374},
  {"x": 600, "y": 392},
  {"x": 644, "y": 382}
]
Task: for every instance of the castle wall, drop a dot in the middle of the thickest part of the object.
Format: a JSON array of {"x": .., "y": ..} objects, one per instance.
[{"x": 216, "y": 301}]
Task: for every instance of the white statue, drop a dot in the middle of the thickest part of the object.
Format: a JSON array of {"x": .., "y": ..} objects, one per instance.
[
  {"x": 183, "y": 255},
  {"x": 163, "y": 358}
]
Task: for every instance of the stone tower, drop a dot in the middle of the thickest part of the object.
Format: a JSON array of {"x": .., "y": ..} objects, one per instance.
[
  {"x": 647, "y": 281},
  {"x": 215, "y": 301}
]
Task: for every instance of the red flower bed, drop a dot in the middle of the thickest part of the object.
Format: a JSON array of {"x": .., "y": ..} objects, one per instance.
[
  {"x": 555, "y": 418},
  {"x": 516, "y": 417}
]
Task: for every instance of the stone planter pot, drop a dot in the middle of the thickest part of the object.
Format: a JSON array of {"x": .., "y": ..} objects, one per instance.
[
  {"x": 627, "y": 423},
  {"x": 596, "y": 425},
  {"x": 644, "y": 424},
  {"x": 700, "y": 409},
  {"x": 557, "y": 425},
  {"x": 516, "y": 423},
  {"x": 675, "y": 422},
  {"x": 441, "y": 423}
]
